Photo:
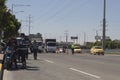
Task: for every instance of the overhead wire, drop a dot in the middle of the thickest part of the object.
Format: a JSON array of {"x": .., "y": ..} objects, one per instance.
[
  {"x": 59, "y": 10},
  {"x": 63, "y": 8},
  {"x": 46, "y": 10}
]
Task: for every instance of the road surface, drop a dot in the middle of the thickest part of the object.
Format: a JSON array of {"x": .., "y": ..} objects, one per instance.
[{"x": 52, "y": 66}]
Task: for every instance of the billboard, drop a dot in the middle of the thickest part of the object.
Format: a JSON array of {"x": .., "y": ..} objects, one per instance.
[{"x": 74, "y": 37}]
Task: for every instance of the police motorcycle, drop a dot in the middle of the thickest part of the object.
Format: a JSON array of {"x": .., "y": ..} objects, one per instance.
[{"x": 8, "y": 57}]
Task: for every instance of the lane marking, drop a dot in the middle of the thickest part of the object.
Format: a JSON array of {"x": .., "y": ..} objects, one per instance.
[
  {"x": 112, "y": 55},
  {"x": 38, "y": 58},
  {"x": 95, "y": 76},
  {"x": 49, "y": 61}
]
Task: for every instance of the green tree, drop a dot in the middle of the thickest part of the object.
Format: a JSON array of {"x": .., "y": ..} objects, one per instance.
[
  {"x": 98, "y": 43},
  {"x": 11, "y": 25},
  {"x": 89, "y": 44},
  {"x": 8, "y": 22}
]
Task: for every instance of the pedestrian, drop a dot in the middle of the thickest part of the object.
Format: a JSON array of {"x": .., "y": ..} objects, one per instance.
[
  {"x": 35, "y": 49},
  {"x": 72, "y": 48}
]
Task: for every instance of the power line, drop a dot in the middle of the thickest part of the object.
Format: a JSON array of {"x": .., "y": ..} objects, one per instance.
[
  {"x": 46, "y": 10},
  {"x": 66, "y": 5},
  {"x": 57, "y": 10}
]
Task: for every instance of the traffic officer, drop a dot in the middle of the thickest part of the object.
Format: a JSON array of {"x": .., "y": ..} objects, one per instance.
[
  {"x": 72, "y": 48},
  {"x": 35, "y": 49},
  {"x": 22, "y": 53}
]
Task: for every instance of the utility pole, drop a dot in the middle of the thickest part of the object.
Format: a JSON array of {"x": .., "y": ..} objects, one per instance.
[
  {"x": 104, "y": 26},
  {"x": 66, "y": 33},
  {"x": 21, "y": 27},
  {"x": 84, "y": 39},
  {"x": 97, "y": 35},
  {"x": 29, "y": 24}
]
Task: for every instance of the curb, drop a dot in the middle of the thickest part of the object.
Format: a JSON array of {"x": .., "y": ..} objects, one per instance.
[{"x": 1, "y": 66}]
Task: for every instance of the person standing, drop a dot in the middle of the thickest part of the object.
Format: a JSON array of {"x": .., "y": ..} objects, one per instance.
[
  {"x": 35, "y": 49},
  {"x": 22, "y": 53},
  {"x": 72, "y": 48},
  {"x": 14, "y": 52}
]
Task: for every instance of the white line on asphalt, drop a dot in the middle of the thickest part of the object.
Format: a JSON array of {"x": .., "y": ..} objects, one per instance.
[
  {"x": 95, "y": 76},
  {"x": 49, "y": 61},
  {"x": 112, "y": 55},
  {"x": 38, "y": 58}
]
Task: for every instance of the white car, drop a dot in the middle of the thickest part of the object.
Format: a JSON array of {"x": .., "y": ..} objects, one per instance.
[{"x": 40, "y": 47}]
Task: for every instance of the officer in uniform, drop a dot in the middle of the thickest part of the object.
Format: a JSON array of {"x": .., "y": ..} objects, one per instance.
[
  {"x": 35, "y": 49},
  {"x": 15, "y": 52},
  {"x": 72, "y": 48},
  {"x": 22, "y": 53}
]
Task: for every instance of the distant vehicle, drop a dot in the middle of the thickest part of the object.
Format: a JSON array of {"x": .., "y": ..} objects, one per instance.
[
  {"x": 77, "y": 49},
  {"x": 50, "y": 45},
  {"x": 60, "y": 50},
  {"x": 40, "y": 46},
  {"x": 97, "y": 50},
  {"x": 23, "y": 41},
  {"x": 19, "y": 40}
]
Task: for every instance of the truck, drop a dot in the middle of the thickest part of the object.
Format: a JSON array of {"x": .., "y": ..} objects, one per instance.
[{"x": 50, "y": 45}]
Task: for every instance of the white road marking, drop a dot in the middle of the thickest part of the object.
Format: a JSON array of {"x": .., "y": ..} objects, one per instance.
[
  {"x": 112, "y": 55},
  {"x": 95, "y": 76},
  {"x": 38, "y": 58},
  {"x": 49, "y": 61}
]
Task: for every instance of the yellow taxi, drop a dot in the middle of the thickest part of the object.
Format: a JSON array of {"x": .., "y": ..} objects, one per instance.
[
  {"x": 97, "y": 50},
  {"x": 77, "y": 49}
]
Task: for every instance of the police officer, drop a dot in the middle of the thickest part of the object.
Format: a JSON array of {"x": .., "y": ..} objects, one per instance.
[
  {"x": 72, "y": 48},
  {"x": 35, "y": 49},
  {"x": 22, "y": 53},
  {"x": 15, "y": 52}
]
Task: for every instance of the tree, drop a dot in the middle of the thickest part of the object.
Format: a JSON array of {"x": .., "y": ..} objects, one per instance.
[
  {"x": 8, "y": 22},
  {"x": 11, "y": 25},
  {"x": 2, "y": 11}
]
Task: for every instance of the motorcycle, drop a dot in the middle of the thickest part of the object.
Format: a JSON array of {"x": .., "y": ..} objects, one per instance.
[{"x": 8, "y": 60}]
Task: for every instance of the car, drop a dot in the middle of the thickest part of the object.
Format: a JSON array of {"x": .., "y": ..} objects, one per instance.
[
  {"x": 40, "y": 46},
  {"x": 97, "y": 50},
  {"x": 60, "y": 49},
  {"x": 77, "y": 49}
]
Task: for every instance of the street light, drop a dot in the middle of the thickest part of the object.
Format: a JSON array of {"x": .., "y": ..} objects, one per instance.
[{"x": 15, "y": 5}]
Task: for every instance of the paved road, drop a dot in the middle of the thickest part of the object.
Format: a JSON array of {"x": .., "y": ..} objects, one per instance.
[{"x": 50, "y": 66}]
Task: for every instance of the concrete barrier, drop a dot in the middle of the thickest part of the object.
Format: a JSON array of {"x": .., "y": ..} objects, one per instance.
[
  {"x": 1, "y": 71},
  {"x": 1, "y": 66}
]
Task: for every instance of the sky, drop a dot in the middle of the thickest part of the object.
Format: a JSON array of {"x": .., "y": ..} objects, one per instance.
[{"x": 55, "y": 18}]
